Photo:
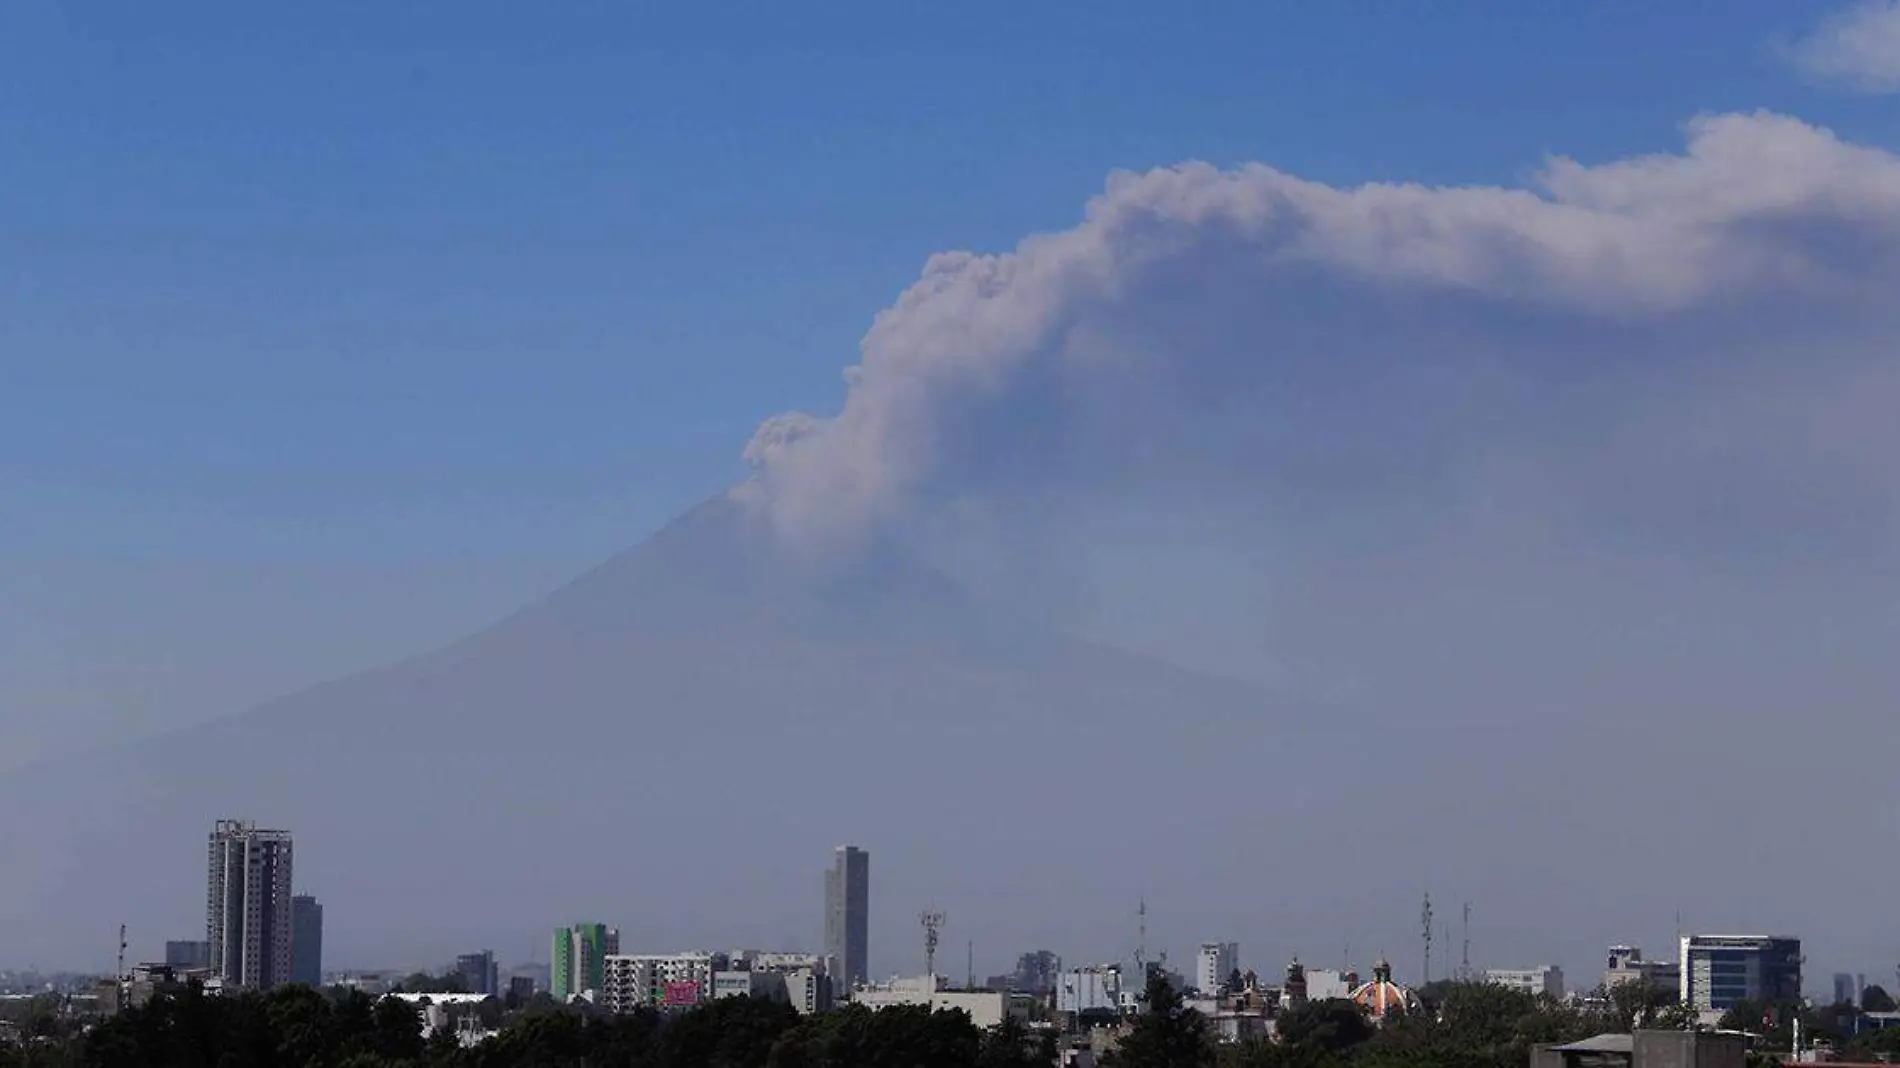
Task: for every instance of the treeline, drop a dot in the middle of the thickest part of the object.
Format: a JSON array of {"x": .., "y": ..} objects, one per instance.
[
  {"x": 1465, "y": 1025},
  {"x": 297, "y": 1027}
]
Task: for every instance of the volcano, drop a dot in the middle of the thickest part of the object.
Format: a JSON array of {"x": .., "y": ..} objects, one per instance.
[{"x": 673, "y": 743}]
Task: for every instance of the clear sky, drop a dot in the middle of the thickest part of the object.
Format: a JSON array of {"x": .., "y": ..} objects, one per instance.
[{"x": 330, "y": 330}]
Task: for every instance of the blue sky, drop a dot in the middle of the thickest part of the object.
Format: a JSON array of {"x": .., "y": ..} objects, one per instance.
[{"x": 328, "y": 331}]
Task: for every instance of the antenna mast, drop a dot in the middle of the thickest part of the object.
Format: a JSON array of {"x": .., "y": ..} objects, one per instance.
[
  {"x": 969, "y": 966},
  {"x": 120, "y": 974},
  {"x": 1141, "y": 941},
  {"x": 933, "y": 921},
  {"x": 1464, "y": 963},
  {"x": 1425, "y": 920}
]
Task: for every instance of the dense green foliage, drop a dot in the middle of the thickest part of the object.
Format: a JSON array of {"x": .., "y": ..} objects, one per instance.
[
  {"x": 1464, "y": 1025},
  {"x": 1167, "y": 1034},
  {"x": 297, "y": 1027}
]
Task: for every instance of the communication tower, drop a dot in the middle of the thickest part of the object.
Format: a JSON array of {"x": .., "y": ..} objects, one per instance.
[{"x": 933, "y": 921}]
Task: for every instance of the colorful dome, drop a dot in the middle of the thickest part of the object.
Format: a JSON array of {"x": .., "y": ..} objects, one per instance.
[{"x": 1382, "y": 997}]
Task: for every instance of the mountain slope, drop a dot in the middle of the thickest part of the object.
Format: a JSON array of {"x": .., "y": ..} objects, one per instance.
[{"x": 672, "y": 742}]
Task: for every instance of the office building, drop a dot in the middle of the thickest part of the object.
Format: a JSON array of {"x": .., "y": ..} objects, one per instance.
[
  {"x": 1545, "y": 981},
  {"x": 578, "y": 959},
  {"x": 659, "y": 981},
  {"x": 1626, "y": 965},
  {"x": 848, "y": 918},
  {"x": 478, "y": 973},
  {"x": 248, "y": 919},
  {"x": 1847, "y": 988},
  {"x": 1036, "y": 973},
  {"x": 1720, "y": 970},
  {"x": 1216, "y": 963},
  {"x": 188, "y": 956},
  {"x": 306, "y": 941},
  {"x": 1090, "y": 991}
]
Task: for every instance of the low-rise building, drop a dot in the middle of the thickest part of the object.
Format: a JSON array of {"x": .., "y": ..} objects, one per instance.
[
  {"x": 652, "y": 980},
  {"x": 1647, "y": 1049},
  {"x": 1090, "y": 991},
  {"x": 1330, "y": 984},
  {"x": 986, "y": 1008},
  {"x": 1626, "y": 965},
  {"x": 1546, "y": 980}
]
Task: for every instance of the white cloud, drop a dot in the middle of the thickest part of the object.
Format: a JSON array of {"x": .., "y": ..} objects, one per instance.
[
  {"x": 1195, "y": 282},
  {"x": 1859, "y": 47}
]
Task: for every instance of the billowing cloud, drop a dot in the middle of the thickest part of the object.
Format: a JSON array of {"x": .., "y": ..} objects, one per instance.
[
  {"x": 1204, "y": 309},
  {"x": 1858, "y": 47}
]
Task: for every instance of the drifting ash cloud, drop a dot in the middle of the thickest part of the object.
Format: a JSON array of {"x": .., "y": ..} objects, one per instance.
[{"x": 1197, "y": 319}]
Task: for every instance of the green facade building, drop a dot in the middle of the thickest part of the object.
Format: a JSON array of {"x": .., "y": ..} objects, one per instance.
[{"x": 577, "y": 958}]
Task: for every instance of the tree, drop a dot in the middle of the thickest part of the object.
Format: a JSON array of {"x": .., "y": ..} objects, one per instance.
[
  {"x": 727, "y": 1033},
  {"x": 1674, "y": 1017},
  {"x": 1167, "y": 1034},
  {"x": 1636, "y": 1004},
  {"x": 1333, "y": 1026},
  {"x": 424, "y": 983},
  {"x": 1008, "y": 1045},
  {"x": 397, "y": 1030},
  {"x": 1876, "y": 999}
]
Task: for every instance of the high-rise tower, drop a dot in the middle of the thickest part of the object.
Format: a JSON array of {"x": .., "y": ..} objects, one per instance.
[
  {"x": 848, "y": 917},
  {"x": 306, "y": 941},
  {"x": 578, "y": 962},
  {"x": 247, "y": 905}
]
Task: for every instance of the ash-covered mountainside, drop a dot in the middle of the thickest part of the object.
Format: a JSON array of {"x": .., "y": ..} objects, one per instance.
[{"x": 674, "y": 742}]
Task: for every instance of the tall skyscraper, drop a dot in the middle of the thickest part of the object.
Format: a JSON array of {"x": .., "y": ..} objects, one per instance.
[
  {"x": 578, "y": 958},
  {"x": 306, "y": 941},
  {"x": 848, "y": 918},
  {"x": 247, "y": 905}
]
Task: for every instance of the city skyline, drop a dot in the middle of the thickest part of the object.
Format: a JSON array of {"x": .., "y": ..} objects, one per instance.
[
  {"x": 1713, "y": 970},
  {"x": 1267, "y": 461}
]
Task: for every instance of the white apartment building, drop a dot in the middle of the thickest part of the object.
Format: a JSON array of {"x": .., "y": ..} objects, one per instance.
[
  {"x": 656, "y": 980},
  {"x": 1546, "y": 979},
  {"x": 1214, "y": 964}
]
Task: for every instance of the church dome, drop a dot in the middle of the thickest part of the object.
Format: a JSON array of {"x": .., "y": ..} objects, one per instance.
[{"x": 1382, "y": 997}]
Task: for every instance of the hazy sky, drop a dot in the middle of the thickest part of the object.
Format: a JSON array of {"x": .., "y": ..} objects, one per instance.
[{"x": 327, "y": 332}]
